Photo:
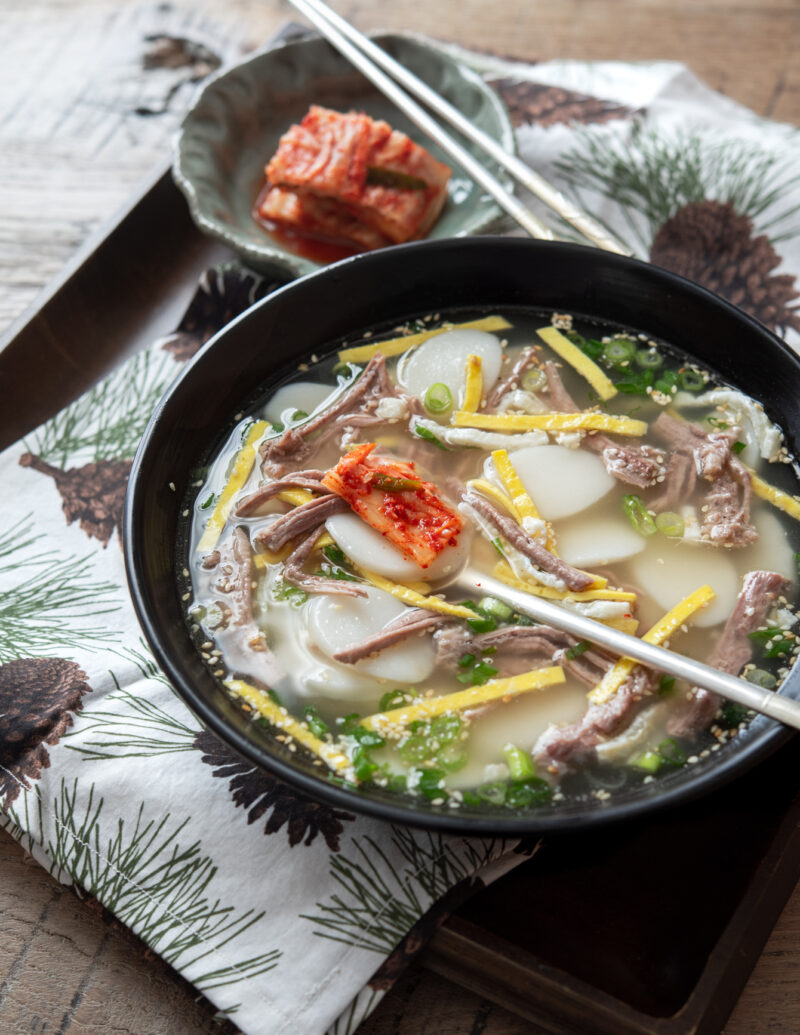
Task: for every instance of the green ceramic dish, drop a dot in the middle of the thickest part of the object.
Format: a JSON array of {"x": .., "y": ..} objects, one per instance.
[{"x": 233, "y": 127}]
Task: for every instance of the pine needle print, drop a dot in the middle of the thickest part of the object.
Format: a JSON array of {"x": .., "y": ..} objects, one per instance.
[
  {"x": 37, "y": 696},
  {"x": 224, "y": 293},
  {"x": 258, "y": 792},
  {"x": 159, "y": 887},
  {"x": 378, "y": 902},
  {"x": 47, "y": 611},
  {"x": 712, "y": 210}
]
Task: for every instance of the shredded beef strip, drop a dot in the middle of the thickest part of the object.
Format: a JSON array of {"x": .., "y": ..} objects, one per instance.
[
  {"x": 293, "y": 571},
  {"x": 413, "y": 622},
  {"x": 726, "y": 507},
  {"x": 599, "y": 722},
  {"x": 299, "y": 480},
  {"x": 365, "y": 394},
  {"x": 301, "y": 520},
  {"x": 634, "y": 465},
  {"x": 512, "y": 380},
  {"x": 760, "y": 590},
  {"x": 234, "y": 583},
  {"x": 527, "y": 546}
]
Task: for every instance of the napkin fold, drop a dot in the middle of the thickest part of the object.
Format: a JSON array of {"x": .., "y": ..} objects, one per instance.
[{"x": 290, "y": 915}]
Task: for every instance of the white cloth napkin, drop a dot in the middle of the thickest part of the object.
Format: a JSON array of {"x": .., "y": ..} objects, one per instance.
[{"x": 286, "y": 913}]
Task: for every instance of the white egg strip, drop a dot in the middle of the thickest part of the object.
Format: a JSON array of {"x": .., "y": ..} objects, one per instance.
[{"x": 465, "y": 437}]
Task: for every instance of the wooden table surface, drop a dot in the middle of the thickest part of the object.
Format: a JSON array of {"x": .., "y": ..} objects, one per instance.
[{"x": 87, "y": 105}]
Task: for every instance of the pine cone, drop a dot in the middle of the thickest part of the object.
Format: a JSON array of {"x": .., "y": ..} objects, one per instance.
[
  {"x": 549, "y": 105},
  {"x": 36, "y": 698},
  {"x": 708, "y": 242},
  {"x": 257, "y": 791},
  {"x": 93, "y": 494},
  {"x": 222, "y": 295}
]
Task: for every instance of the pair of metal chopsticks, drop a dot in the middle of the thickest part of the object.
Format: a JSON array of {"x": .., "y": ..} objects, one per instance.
[{"x": 366, "y": 56}]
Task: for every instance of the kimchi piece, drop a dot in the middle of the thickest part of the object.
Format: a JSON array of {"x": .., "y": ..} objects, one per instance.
[
  {"x": 390, "y": 496},
  {"x": 369, "y": 176}
]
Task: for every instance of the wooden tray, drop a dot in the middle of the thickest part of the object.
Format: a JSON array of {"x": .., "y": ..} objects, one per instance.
[{"x": 651, "y": 927}]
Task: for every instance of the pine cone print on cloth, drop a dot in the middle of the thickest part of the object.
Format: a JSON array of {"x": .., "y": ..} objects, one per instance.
[
  {"x": 93, "y": 495},
  {"x": 36, "y": 698},
  {"x": 542, "y": 105},
  {"x": 223, "y": 294},
  {"x": 709, "y": 243},
  {"x": 257, "y": 791}
]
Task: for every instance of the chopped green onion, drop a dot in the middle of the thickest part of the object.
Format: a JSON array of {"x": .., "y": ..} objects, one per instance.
[
  {"x": 275, "y": 697},
  {"x": 416, "y": 749},
  {"x": 396, "y": 783},
  {"x": 367, "y": 738},
  {"x": 665, "y": 383},
  {"x": 497, "y": 543},
  {"x": 480, "y": 623},
  {"x": 666, "y": 685},
  {"x": 387, "y": 483},
  {"x": 760, "y": 677},
  {"x": 298, "y": 415},
  {"x": 780, "y": 648},
  {"x": 493, "y": 792},
  {"x": 576, "y": 339},
  {"x": 482, "y": 673},
  {"x": 212, "y": 499},
  {"x": 315, "y": 724},
  {"x": 466, "y": 660},
  {"x": 349, "y": 722},
  {"x": 572, "y": 653},
  {"x": 431, "y": 783},
  {"x": 395, "y": 699},
  {"x": 638, "y": 515},
  {"x": 619, "y": 352},
  {"x": 465, "y": 678},
  {"x": 691, "y": 381},
  {"x": 670, "y": 753},
  {"x": 445, "y": 728},
  {"x": 649, "y": 359},
  {"x": 670, "y": 524},
  {"x": 650, "y": 762},
  {"x": 452, "y": 757},
  {"x": 533, "y": 791},
  {"x": 285, "y": 591},
  {"x": 797, "y": 565},
  {"x": 523, "y": 620},
  {"x": 733, "y": 714},
  {"x": 335, "y": 555},
  {"x": 425, "y": 433},
  {"x": 494, "y": 608},
  {"x": 363, "y": 766},
  {"x": 520, "y": 764},
  {"x": 534, "y": 380},
  {"x": 738, "y": 447},
  {"x": 591, "y": 346},
  {"x": 635, "y": 382},
  {"x": 715, "y": 422},
  {"x": 438, "y": 398}
]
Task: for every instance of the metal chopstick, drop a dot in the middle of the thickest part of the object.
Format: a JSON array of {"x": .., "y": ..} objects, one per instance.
[
  {"x": 767, "y": 702},
  {"x": 338, "y": 32}
]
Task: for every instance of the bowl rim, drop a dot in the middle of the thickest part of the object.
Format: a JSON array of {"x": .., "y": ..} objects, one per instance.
[
  {"x": 267, "y": 256},
  {"x": 452, "y": 821}
]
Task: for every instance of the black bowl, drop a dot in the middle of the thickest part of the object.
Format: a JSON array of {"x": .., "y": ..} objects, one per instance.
[{"x": 386, "y": 288}]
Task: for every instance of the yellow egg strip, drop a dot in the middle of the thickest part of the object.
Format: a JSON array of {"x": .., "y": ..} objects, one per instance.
[
  {"x": 473, "y": 387},
  {"x": 396, "y": 346},
  {"x": 487, "y": 489},
  {"x": 262, "y": 556},
  {"x": 630, "y": 626},
  {"x": 579, "y": 361},
  {"x": 263, "y": 704},
  {"x": 392, "y": 723},
  {"x": 242, "y": 467},
  {"x": 519, "y": 494},
  {"x": 297, "y": 497},
  {"x": 414, "y": 598},
  {"x": 656, "y": 635},
  {"x": 503, "y": 572},
  {"x": 777, "y": 497},
  {"x": 550, "y": 422}
]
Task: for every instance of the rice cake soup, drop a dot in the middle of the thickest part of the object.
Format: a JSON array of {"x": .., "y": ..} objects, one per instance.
[{"x": 578, "y": 462}]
